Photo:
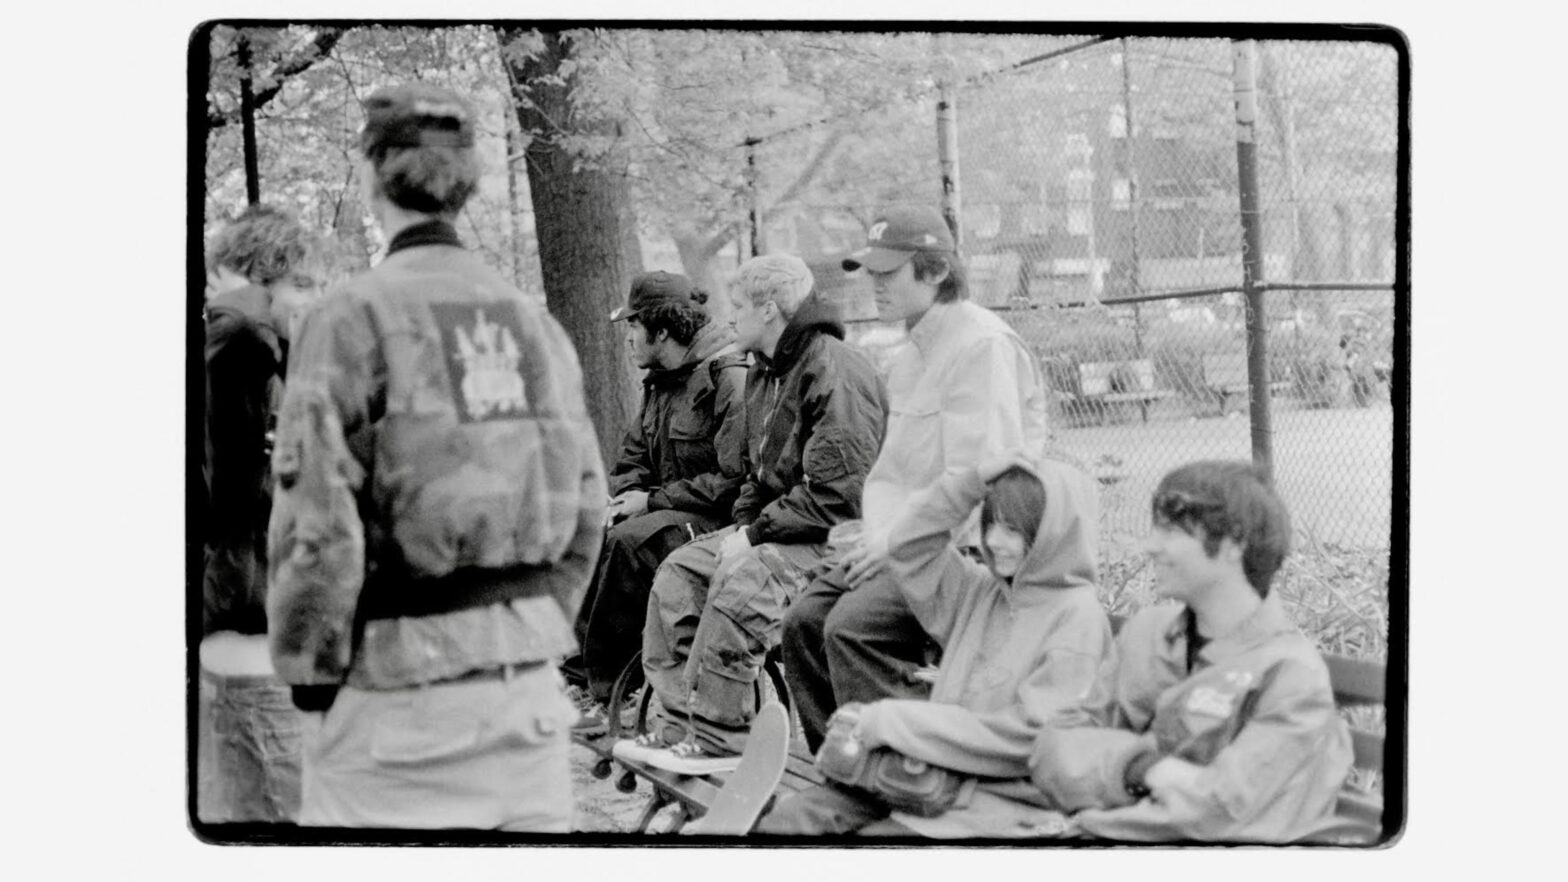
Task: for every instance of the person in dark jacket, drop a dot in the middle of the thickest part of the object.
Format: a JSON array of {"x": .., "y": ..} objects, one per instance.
[
  {"x": 261, "y": 276},
  {"x": 680, "y": 469},
  {"x": 815, "y": 414},
  {"x": 439, "y": 507}
]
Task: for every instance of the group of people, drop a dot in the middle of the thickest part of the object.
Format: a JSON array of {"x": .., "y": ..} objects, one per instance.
[{"x": 451, "y": 580}]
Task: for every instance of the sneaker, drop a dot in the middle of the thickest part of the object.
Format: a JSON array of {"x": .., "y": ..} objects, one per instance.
[
  {"x": 592, "y": 719},
  {"x": 691, "y": 758},
  {"x": 642, "y": 747}
]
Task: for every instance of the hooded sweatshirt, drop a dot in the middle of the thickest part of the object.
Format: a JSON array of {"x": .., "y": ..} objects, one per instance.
[
  {"x": 815, "y": 414},
  {"x": 688, "y": 444},
  {"x": 1017, "y": 656}
]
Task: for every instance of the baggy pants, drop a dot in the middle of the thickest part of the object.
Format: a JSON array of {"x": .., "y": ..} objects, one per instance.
[
  {"x": 842, "y": 645},
  {"x": 710, "y": 627},
  {"x": 609, "y": 623},
  {"x": 478, "y": 754}
]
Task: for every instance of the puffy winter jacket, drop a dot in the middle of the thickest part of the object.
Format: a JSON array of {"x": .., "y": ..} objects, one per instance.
[
  {"x": 815, "y": 414},
  {"x": 439, "y": 482},
  {"x": 1256, "y": 712},
  {"x": 687, "y": 448}
]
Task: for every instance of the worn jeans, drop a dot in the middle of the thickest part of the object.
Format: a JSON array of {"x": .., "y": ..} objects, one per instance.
[
  {"x": 609, "y": 623},
  {"x": 710, "y": 627},
  {"x": 482, "y": 754},
  {"x": 843, "y": 645}
]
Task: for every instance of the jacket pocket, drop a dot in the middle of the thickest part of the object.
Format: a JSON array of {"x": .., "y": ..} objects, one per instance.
[{"x": 691, "y": 439}]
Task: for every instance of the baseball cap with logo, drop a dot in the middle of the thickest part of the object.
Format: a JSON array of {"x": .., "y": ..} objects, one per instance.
[
  {"x": 895, "y": 237},
  {"x": 415, "y": 115},
  {"x": 652, "y": 289}
]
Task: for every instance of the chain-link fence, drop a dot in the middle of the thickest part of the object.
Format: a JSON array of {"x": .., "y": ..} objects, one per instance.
[{"x": 1097, "y": 192}]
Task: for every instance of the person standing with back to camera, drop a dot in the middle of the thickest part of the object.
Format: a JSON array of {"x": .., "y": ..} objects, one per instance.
[{"x": 439, "y": 508}]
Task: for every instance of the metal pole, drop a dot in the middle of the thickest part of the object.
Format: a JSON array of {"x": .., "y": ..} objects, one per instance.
[
  {"x": 248, "y": 124},
  {"x": 1245, "y": 58},
  {"x": 1129, "y": 168},
  {"x": 751, "y": 186},
  {"x": 947, "y": 155}
]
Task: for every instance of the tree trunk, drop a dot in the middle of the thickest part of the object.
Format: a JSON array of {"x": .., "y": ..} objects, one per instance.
[{"x": 586, "y": 229}]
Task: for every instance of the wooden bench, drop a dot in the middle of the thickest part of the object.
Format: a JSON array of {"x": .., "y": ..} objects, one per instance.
[
  {"x": 1098, "y": 387},
  {"x": 1225, "y": 374},
  {"x": 1356, "y": 683}
]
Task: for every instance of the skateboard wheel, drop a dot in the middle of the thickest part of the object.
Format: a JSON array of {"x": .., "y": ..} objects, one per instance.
[
  {"x": 602, "y": 769},
  {"x": 627, "y": 783}
]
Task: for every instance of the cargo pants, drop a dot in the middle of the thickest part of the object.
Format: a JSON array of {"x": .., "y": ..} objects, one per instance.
[{"x": 710, "y": 627}]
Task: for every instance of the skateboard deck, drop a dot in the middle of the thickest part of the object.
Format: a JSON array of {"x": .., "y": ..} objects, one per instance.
[{"x": 746, "y": 791}]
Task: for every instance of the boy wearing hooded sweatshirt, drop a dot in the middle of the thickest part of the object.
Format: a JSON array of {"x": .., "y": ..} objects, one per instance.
[
  {"x": 677, "y": 477},
  {"x": 1023, "y": 636},
  {"x": 1218, "y": 721}
]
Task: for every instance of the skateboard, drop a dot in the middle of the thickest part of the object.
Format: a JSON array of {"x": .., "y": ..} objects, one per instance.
[{"x": 748, "y": 789}]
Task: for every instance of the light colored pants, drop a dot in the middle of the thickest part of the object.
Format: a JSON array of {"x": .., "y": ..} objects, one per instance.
[
  {"x": 709, "y": 627},
  {"x": 487, "y": 754}
]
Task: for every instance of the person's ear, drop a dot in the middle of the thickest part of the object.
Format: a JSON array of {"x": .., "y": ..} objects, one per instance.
[{"x": 939, "y": 276}]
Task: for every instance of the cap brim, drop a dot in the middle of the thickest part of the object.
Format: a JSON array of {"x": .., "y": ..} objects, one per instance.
[
  {"x": 878, "y": 260},
  {"x": 624, "y": 312}
]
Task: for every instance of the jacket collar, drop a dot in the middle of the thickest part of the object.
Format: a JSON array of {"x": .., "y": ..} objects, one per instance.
[
  {"x": 926, "y": 331},
  {"x": 815, "y": 316},
  {"x": 1266, "y": 622},
  {"x": 430, "y": 232}
]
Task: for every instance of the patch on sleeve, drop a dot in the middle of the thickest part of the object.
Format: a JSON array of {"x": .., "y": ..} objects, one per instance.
[{"x": 484, "y": 359}]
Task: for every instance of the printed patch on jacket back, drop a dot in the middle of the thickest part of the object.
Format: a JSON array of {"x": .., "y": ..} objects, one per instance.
[{"x": 480, "y": 343}]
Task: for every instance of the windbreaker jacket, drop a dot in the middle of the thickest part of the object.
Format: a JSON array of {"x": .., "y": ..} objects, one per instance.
[
  {"x": 434, "y": 428},
  {"x": 815, "y": 414},
  {"x": 964, "y": 389},
  {"x": 1016, "y": 656},
  {"x": 687, "y": 448},
  {"x": 1257, "y": 713}
]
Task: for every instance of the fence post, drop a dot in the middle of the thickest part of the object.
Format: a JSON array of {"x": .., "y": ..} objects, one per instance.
[
  {"x": 947, "y": 156},
  {"x": 751, "y": 194},
  {"x": 1245, "y": 63},
  {"x": 1130, "y": 169}
]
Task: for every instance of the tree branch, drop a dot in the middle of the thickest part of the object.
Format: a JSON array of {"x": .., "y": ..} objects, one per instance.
[{"x": 297, "y": 63}]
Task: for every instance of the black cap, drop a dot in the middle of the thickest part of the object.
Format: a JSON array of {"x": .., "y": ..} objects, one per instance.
[
  {"x": 895, "y": 237},
  {"x": 416, "y": 115},
  {"x": 652, "y": 289}
]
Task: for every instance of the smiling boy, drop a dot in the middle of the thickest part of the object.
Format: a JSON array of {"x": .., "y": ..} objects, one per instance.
[{"x": 1218, "y": 722}]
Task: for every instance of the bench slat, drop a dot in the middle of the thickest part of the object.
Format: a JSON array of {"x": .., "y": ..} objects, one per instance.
[
  {"x": 1368, "y": 749},
  {"x": 1356, "y": 681}
]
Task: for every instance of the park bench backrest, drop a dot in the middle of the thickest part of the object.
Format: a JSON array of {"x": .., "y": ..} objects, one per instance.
[{"x": 1225, "y": 369}]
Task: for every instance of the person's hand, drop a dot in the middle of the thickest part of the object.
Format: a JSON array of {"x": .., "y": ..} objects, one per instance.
[
  {"x": 1170, "y": 775},
  {"x": 734, "y": 545},
  {"x": 993, "y": 466},
  {"x": 632, "y": 503},
  {"x": 865, "y": 560}
]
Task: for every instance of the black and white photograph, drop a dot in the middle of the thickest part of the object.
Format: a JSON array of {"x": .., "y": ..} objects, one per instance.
[{"x": 867, "y": 434}]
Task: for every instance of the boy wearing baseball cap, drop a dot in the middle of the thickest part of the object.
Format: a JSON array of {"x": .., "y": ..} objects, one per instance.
[
  {"x": 965, "y": 389},
  {"x": 678, "y": 475}
]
